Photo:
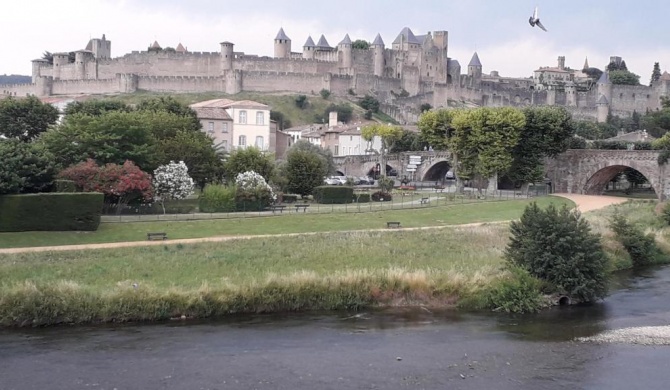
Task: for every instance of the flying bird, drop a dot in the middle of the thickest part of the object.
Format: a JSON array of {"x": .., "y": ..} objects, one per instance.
[{"x": 535, "y": 20}]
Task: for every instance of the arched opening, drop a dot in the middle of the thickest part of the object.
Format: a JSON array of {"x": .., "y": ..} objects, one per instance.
[
  {"x": 620, "y": 180},
  {"x": 439, "y": 172},
  {"x": 339, "y": 173}
]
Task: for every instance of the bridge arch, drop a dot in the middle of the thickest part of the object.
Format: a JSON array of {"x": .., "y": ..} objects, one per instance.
[
  {"x": 596, "y": 179},
  {"x": 436, "y": 170}
]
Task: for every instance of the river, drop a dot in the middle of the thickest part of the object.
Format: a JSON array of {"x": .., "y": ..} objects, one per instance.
[{"x": 380, "y": 349}]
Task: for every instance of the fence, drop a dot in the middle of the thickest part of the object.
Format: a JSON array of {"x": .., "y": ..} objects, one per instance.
[{"x": 402, "y": 200}]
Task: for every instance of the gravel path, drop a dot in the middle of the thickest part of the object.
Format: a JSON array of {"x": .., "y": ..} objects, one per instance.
[{"x": 587, "y": 203}]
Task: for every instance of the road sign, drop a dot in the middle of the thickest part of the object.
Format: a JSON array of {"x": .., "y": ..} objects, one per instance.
[
  {"x": 411, "y": 166},
  {"x": 411, "y": 169},
  {"x": 415, "y": 157}
]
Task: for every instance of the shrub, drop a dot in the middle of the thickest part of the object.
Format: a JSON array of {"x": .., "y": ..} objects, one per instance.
[
  {"x": 352, "y": 92},
  {"x": 253, "y": 192},
  {"x": 368, "y": 114},
  {"x": 289, "y": 198},
  {"x": 301, "y": 101},
  {"x": 51, "y": 212},
  {"x": 217, "y": 198},
  {"x": 362, "y": 198},
  {"x": 665, "y": 213},
  {"x": 385, "y": 184},
  {"x": 369, "y": 103},
  {"x": 641, "y": 247},
  {"x": 325, "y": 94},
  {"x": 64, "y": 186},
  {"x": 517, "y": 293},
  {"x": 559, "y": 247},
  {"x": 381, "y": 196},
  {"x": 333, "y": 194}
]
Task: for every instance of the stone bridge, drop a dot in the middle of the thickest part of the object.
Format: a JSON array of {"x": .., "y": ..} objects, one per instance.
[
  {"x": 587, "y": 171},
  {"x": 434, "y": 165}
]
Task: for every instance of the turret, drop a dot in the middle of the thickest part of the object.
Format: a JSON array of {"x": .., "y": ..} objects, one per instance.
[
  {"x": 345, "y": 47},
  {"x": 605, "y": 86},
  {"x": 101, "y": 48},
  {"x": 475, "y": 68},
  {"x": 308, "y": 49},
  {"x": 282, "y": 45},
  {"x": 603, "y": 106},
  {"x": 227, "y": 56},
  {"x": 59, "y": 60},
  {"x": 81, "y": 57},
  {"x": 37, "y": 68},
  {"x": 561, "y": 62},
  {"x": 571, "y": 94},
  {"x": 378, "y": 50}
]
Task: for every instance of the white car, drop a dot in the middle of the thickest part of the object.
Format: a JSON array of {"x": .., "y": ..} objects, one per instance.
[{"x": 331, "y": 181}]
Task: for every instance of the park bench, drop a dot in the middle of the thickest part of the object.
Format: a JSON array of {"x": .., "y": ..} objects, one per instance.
[
  {"x": 425, "y": 200},
  {"x": 439, "y": 188},
  {"x": 301, "y": 206},
  {"x": 277, "y": 207},
  {"x": 156, "y": 236},
  {"x": 392, "y": 225}
]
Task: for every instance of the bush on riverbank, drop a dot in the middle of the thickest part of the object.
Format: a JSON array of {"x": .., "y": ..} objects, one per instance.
[{"x": 641, "y": 247}]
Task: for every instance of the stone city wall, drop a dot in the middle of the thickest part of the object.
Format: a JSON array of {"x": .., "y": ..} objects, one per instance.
[
  {"x": 282, "y": 81},
  {"x": 74, "y": 87},
  {"x": 180, "y": 84}
]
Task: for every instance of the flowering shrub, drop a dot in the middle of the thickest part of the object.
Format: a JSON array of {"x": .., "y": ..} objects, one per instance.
[
  {"x": 381, "y": 196},
  {"x": 253, "y": 192},
  {"x": 171, "y": 181}
]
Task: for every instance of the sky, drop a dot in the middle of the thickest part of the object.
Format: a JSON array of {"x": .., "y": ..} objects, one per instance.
[{"x": 498, "y": 30}]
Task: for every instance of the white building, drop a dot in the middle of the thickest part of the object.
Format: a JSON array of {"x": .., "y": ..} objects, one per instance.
[
  {"x": 236, "y": 124},
  {"x": 351, "y": 143}
]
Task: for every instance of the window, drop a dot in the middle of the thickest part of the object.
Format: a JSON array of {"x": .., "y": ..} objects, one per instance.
[
  {"x": 210, "y": 127},
  {"x": 242, "y": 141},
  {"x": 224, "y": 127},
  {"x": 337, "y": 150},
  {"x": 243, "y": 117},
  {"x": 351, "y": 138},
  {"x": 260, "y": 118},
  {"x": 259, "y": 142}
]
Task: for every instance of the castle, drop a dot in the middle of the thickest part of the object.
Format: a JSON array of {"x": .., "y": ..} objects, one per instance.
[{"x": 414, "y": 70}]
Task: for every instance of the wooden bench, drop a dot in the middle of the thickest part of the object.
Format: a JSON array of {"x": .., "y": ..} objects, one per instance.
[
  {"x": 156, "y": 236},
  {"x": 301, "y": 206},
  {"x": 425, "y": 200},
  {"x": 393, "y": 225},
  {"x": 277, "y": 207},
  {"x": 438, "y": 188}
]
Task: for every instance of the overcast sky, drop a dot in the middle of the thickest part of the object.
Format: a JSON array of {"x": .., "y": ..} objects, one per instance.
[{"x": 498, "y": 30}]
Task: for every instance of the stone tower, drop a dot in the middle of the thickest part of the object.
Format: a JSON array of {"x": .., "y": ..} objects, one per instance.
[
  {"x": 561, "y": 62},
  {"x": 282, "y": 45},
  {"x": 308, "y": 49},
  {"x": 571, "y": 94},
  {"x": 378, "y": 51},
  {"x": 346, "y": 59},
  {"x": 101, "y": 48},
  {"x": 60, "y": 60},
  {"x": 37, "y": 68},
  {"x": 603, "y": 109},
  {"x": 227, "y": 56},
  {"x": 475, "y": 69},
  {"x": 604, "y": 97}
]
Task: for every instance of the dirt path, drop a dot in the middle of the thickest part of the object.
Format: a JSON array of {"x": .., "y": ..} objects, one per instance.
[{"x": 584, "y": 203}]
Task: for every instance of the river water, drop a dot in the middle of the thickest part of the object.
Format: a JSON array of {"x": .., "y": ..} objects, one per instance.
[{"x": 381, "y": 349}]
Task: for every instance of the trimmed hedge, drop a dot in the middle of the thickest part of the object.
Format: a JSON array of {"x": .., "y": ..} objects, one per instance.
[
  {"x": 216, "y": 198},
  {"x": 362, "y": 198},
  {"x": 51, "y": 212},
  {"x": 334, "y": 194},
  {"x": 289, "y": 198}
]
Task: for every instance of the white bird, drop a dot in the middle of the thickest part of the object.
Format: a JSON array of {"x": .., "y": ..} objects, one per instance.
[{"x": 535, "y": 20}]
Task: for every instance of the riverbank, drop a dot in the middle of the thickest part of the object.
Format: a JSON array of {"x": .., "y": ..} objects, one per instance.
[{"x": 451, "y": 266}]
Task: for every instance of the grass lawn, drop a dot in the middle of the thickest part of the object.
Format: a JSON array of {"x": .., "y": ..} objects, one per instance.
[{"x": 294, "y": 223}]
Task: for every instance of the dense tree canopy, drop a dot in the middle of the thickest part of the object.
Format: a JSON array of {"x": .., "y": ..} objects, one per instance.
[
  {"x": 305, "y": 170},
  {"x": 95, "y": 107},
  {"x": 25, "y": 167},
  {"x": 25, "y": 118},
  {"x": 171, "y": 105},
  {"x": 249, "y": 159},
  {"x": 624, "y": 77},
  {"x": 409, "y": 141},
  {"x": 325, "y": 154},
  {"x": 435, "y": 127},
  {"x": 195, "y": 149}
]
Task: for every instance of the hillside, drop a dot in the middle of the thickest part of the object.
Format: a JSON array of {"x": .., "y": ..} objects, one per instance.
[{"x": 281, "y": 102}]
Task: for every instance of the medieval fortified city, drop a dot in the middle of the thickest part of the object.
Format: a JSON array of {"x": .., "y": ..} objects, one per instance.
[{"x": 353, "y": 212}]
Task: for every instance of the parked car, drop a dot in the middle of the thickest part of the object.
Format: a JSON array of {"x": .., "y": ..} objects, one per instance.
[
  {"x": 450, "y": 175},
  {"x": 342, "y": 179},
  {"x": 365, "y": 180},
  {"x": 392, "y": 172},
  {"x": 331, "y": 181}
]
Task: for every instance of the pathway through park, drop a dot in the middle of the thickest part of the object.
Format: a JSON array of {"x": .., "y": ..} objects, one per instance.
[{"x": 584, "y": 204}]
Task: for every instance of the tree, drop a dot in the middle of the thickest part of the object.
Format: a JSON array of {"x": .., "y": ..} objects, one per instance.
[
  {"x": 587, "y": 129},
  {"x": 361, "y": 44},
  {"x": 249, "y": 159},
  {"x": 25, "y": 118},
  {"x": 593, "y": 73},
  {"x": 483, "y": 140},
  {"x": 344, "y": 112},
  {"x": 325, "y": 154},
  {"x": 388, "y": 134},
  {"x": 171, "y": 181},
  {"x": 119, "y": 183},
  {"x": 112, "y": 137},
  {"x": 197, "y": 151},
  {"x": 624, "y": 77},
  {"x": 558, "y": 246},
  {"x": 655, "y": 74},
  {"x": 305, "y": 170},
  {"x": 641, "y": 247},
  {"x": 546, "y": 133},
  {"x": 171, "y": 105},
  {"x": 280, "y": 118},
  {"x": 634, "y": 177},
  {"x": 95, "y": 107},
  {"x": 369, "y": 103},
  {"x": 25, "y": 167},
  {"x": 425, "y": 107},
  {"x": 408, "y": 142},
  {"x": 436, "y": 129},
  {"x": 301, "y": 101},
  {"x": 325, "y": 94}
]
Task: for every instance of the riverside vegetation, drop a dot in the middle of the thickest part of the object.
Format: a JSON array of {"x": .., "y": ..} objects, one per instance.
[{"x": 460, "y": 266}]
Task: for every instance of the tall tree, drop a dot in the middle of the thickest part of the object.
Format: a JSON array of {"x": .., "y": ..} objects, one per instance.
[
  {"x": 388, "y": 134},
  {"x": 655, "y": 74},
  {"x": 25, "y": 167},
  {"x": 305, "y": 170},
  {"x": 546, "y": 133},
  {"x": 25, "y": 118},
  {"x": 95, "y": 107},
  {"x": 410, "y": 141},
  {"x": 624, "y": 77},
  {"x": 361, "y": 44},
  {"x": 196, "y": 150},
  {"x": 435, "y": 127},
  {"x": 249, "y": 159},
  {"x": 325, "y": 154},
  {"x": 171, "y": 105},
  {"x": 484, "y": 139}
]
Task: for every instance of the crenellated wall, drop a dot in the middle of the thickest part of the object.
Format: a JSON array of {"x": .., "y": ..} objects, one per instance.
[
  {"x": 17, "y": 89},
  {"x": 627, "y": 98},
  {"x": 180, "y": 84},
  {"x": 75, "y": 87}
]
